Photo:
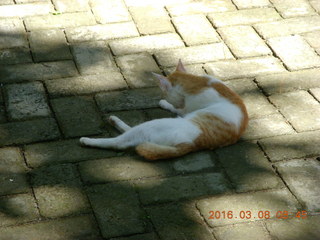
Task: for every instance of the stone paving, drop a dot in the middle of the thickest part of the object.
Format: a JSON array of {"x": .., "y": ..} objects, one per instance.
[{"x": 66, "y": 65}]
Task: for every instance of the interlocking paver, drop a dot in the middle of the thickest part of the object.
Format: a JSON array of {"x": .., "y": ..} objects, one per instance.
[
  {"x": 315, "y": 4},
  {"x": 110, "y": 11},
  {"x": 251, "y": 3},
  {"x": 292, "y": 146},
  {"x": 243, "y": 68},
  {"x": 146, "y": 43},
  {"x": 15, "y": 33},
  {"x": 23, "y": 10},
  {"x": 137, "y": 69},
  {"x": 15, "y": 56},
  {"x": 289, "y": 8},
  {"x": 312, "y": 39},
  {"x": 77, "y": 116},
  {"x": 316, "y": 93},
  {"x": 300, "y": 108},
  {"x": 194, "y": 54},
  {"x": 195, "y": 29},
  {"x": 302, "y": 177},
  {"x": 289, "y": 81},
  {"x": 244, "y": 41},
  {"x": 71, "y": 5},
  {"x": 245, "y": 16},
  {"x": 37, "y": 71},
  {"x": 49, "y": 45},
  {"x": 151, "y": 20},
  {"x": 294, "y": 52},
  {"x": 146, "y": 236},
  {"x": 102, "y": 32},
  {"x": 26, "y": 101},
  {"x": 13, "y": 178}
]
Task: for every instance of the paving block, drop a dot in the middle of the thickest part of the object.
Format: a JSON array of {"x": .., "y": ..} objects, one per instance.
[
  {"x": 86, "y": 84},
  {"x": 110, "y": 11},
  {"x": 191, "y": 7},
  {"x": 300, "y": 108},
  {"x": 243, "y": 17},
  {"x": 24, "y": 10},
  {"x": 41, "y": 154},
  {"x": 251, "y": 3},
  {"x": 312, "y": 39},
  {"x": 247, "y": 167},
  {"x": 5, "y": 2},
  {"x": 316, "y": 93},
  {"x": 196, "y": 69},
  {"x": 48, "y": 45},
  {"x": 181, "y": 187},
  {"x": 17, "y": 209},
  {"x": 154, "y": 3},
  {"x": 194, "y": 54},
  {"x": 15, "y": 56},
  {"x": 315, "y": 4},
  {"x": 292, "y": 146},
  {"x": 156, "y": 113},
  {"x": 267, "y": 126},
  {"x": 244, "y": 68},
  {"x": 242, "y": 231},
  {"x": 246, "y": 207},
  {"x": 302, "y": 177},
  {"x": 289, "y": 81},
  {"x": 295, "y": 52},
  {"x": 58, "y": 191},
  {"x": 146, "y": 236},
  {"x": 28, "y": 131},
  {"x": 179, "y": 221},
  {"x": 81, "y": 227},
  {"x": 30, "y": 1},
  {"x": 146, "y": 43},
  {"x": 289, "y": 8},
  {"x": 13, "y": 171},
  {"x": 129, "y": 99},
  {"x": 256, "y": 103},
  {"x": 64, "y": 20},
  {"x": 288, "y": 26},
  {"x": 244, "y": 41},
  {"x": 137, "y": 69},
  {"x": 77, "y": 116},
  {"x": 117, "y": 209},
  {"x": 37, "y": 71},
  {"x": 93, "y": 57},
  {"x": 287, "y": 229},
  {"x": 102, "y": 32},
  {"x": 71, "y": 5},
  {"x": 26, "y": 101},
  {"x": 15, "y": 33},
  {"x": 151, "y": 20},
  {"x": 195, "y": 29}
]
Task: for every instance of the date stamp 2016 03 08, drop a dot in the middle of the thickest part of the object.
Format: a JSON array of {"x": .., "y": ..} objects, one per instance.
[{"x": 256, "y": 215}]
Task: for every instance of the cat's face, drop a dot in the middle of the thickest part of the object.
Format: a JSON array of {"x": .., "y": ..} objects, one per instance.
[{"x": 173, "y": 93}]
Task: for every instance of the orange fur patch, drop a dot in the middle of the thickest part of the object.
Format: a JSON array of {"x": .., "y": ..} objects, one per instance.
[{"x": 190, "y": 83}]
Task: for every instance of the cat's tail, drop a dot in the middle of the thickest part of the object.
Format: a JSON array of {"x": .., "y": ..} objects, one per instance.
[{"x": 152, "y": 151}]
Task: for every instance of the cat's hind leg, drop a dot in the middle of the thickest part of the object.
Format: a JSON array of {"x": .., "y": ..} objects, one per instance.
[
  {"x": 99, "y": 142},
  {"x": 118, "y": 124}
]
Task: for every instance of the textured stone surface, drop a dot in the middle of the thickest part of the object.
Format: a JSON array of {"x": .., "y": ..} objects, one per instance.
[
  {"x": 294, "y": 52},
  {"x": 49, "y": 45},
  {"x": 244, "y": 67},
  {"x": 194, "y": 54},
  {"x": 26, "y": 101},
  {"x": 244, "y": 41},
  {"x": 247, "y": 167},
  {"x": 289, "y": 8},
  {"x": 38, "y": 71},
  {"x": 137, "y": 69},
  {"x": 271, "y": 201},
  {"x": 302, "y": 177},
  {"x": 292, "y": 146},
  {"x": 23, "y": 10},
  {"x": 300, "y": 108},
  {"x": 312, "y": 39},
  {"x": 146, "y": 236},
  {"x": 15, "y": 56},
  {"x": 251, "y": 3},
  {"x": 195, "y": 29},
  {"x": 71, "y": 5},
  {"x": 316, "y": 93},
  {"x": 129, "y": 99},
  {"x": 15, "y": 33},
  {"x": 146, "y": 43},
  {"x": 77, "y": 116},
  {"x": 86, "y": 84},
  {"x": 117, "y": 209}
]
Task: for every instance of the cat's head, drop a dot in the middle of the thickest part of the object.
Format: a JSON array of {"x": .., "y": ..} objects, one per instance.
[{"x": 173, "y": 91}]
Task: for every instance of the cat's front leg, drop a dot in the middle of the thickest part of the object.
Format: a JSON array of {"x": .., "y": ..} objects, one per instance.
[{"x": 168, "y": 106}]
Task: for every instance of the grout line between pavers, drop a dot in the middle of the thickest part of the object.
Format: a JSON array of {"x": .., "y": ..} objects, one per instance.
[{"x": 309, "y": 91}]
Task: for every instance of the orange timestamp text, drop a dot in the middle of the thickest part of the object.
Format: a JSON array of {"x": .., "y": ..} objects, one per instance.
[{"x": 256, "y": 215}]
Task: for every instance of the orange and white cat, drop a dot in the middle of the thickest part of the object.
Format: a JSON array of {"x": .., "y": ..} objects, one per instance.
[{"x": 210, "y": 116}]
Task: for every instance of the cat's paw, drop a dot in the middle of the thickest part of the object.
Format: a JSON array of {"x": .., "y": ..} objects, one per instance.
[
  {"x": 113, "y": 120},
  {"x": 84, "y": 141},
  {"x": 164, "y": 104}
]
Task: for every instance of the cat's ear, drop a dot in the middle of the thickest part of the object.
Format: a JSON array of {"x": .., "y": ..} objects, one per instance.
[
  {"x": 164, "y": 83},
  {"x": 180, "y": 67}
]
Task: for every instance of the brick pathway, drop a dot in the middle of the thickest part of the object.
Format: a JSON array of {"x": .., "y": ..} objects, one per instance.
[{"x": 65, "y": 65}]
